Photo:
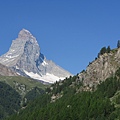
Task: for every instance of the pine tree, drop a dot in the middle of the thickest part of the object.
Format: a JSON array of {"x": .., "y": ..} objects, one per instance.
[
  {"x": 103, "y": 50},
  {"x": 108, "y": 49},
  {"x": 118, "y": 44}
]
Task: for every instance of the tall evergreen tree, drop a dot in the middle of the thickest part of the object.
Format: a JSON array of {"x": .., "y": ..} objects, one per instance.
[
  {"x": 108, "y": 49},
  {"x": 102, "y": 51},
  {"x": 118, "y": 44}
]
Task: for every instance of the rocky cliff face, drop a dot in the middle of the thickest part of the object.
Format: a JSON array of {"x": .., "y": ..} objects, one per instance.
[
  {"x": 25, "y": 58},
  {"x": 100, "y": 69},
  {"x": 5, "y": 71}
]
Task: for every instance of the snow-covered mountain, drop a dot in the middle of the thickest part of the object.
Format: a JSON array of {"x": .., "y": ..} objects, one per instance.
[{"x": 25, "y": 58}]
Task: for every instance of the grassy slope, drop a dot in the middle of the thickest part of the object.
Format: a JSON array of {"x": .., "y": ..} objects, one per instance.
[{"x": 27, "y": 82}]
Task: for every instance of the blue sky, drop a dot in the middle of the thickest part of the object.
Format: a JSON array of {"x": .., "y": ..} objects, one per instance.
[{"x": 69, "y": 32}]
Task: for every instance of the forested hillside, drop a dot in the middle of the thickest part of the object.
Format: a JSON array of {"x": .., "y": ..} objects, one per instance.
[
  {"x": 16, "y": 92},
  {"x": 9, "y": 100},
  {"x": 102, "y": 103},
  {"x": 93, "y": 94}
]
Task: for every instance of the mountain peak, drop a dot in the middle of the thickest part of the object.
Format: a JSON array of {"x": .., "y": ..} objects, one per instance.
[
  {"x": 24, "y": 34},
  {"x": 25, "y": 58}
]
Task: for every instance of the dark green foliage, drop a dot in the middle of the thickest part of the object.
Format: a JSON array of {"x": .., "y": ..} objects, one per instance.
[
  {"x": 69, "y": 84},
  {"x": 118, "y": 44},
  {"x": 75, "y": 106},
  {"x": 117, "y": 73},
  {"x": 37, "y": 105},
  {"x": 9, "y": 100},
  {"x": 34, "y": 93},
  {"x": 108, "y": 49},
  {"x": 109, "y": 87},
  {"x": 118, "y": 99},
  {"x": 13, "y": 89},
  {"x": 104, "y": 50}
]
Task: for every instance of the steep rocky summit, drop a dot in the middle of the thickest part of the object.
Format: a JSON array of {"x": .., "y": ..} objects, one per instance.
[{"x": 25, "y": 58}]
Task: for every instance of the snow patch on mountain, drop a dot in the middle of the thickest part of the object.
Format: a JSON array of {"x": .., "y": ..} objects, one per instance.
[
  {"x": 9, "y": 56},
  {"x": 50, "y": 78},
  {"x": 44, "y": 63}
]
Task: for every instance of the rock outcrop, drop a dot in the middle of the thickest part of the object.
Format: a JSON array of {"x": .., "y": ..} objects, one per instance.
[
  {"x": 101, "y": 68},
  {"x": 5, "y": 71}
]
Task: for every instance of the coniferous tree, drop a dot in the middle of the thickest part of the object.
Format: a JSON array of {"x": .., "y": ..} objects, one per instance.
[
  {"x": 108, "y": 49},
  {"x": 118, "y": 44},
  {"x": 102, "y": 51}
]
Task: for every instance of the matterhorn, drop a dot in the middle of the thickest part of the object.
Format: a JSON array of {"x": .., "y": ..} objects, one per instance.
[{"x": 25, "y": 58}]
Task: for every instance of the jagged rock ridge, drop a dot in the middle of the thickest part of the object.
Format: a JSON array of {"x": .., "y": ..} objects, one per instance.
[
  {"x": 100, "y": 69},
  {"x": 25, "y": 58}
]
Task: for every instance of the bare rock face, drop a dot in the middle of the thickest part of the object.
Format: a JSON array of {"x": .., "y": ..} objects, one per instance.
[
  {"x": 5, "y": 71},
  {"x": 25, "y": 58},
  {"x": 100, "y": 69}
]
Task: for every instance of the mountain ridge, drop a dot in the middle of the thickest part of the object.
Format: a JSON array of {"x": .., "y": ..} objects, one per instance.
[
  {"x": 100, "y": 69},
  {"x": 25, "y": 57}
]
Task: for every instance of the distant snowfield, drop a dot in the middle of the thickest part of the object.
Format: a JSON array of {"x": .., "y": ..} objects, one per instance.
[{"x": 46, "y": 78}]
